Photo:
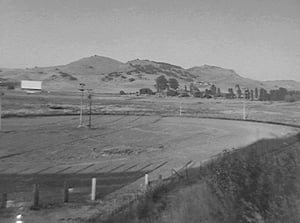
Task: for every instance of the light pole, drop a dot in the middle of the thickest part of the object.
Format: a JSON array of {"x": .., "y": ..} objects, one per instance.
[{"x": 81, "y": 85}]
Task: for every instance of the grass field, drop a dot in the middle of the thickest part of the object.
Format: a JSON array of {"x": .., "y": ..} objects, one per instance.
[
  {"x": 18, "y": 103},
  {"x": 117, "y": 150}
]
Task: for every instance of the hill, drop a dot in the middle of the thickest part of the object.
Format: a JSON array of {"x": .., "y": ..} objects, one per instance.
[
  {"x": 224, "y": 78},
  {"x": 104, "y": 74}
]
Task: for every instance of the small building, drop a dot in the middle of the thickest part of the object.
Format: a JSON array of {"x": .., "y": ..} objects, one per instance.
[
  {"x": 31, "y": 86},
  {"x": 146, "y": 91}
]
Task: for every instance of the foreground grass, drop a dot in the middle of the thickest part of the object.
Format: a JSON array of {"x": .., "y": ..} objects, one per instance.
[{"x": 259, "y": 183}]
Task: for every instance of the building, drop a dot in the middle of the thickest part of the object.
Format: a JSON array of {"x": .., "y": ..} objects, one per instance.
[{"x": 31, "y": 86}]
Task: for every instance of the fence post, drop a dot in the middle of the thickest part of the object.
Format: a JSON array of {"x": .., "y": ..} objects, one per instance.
[
  {"x": 35, "y": 196},
  {"x": 160, "y": 177},
  {"x": 146, "y": 181},
  {"x": 4, "y": 200},
  {"x": 93, "y": 194},
  {"x": 66, "y": 192}
]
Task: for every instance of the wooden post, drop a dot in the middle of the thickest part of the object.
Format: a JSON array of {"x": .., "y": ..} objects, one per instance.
[
  {"x": 146, "y": 181},
  {"x": 35, "y": 196},
  {"x": 4, "y": 200},
  {"x": 66, "y": 192},
  {"x": 93, "y": 194},
  {"x": 160, "y": 177}
]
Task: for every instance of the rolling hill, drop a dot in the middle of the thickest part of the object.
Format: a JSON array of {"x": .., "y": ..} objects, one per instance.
[{"x": 104, "y": 74}]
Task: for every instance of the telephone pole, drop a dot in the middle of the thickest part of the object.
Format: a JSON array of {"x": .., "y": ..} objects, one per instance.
[
  {"x": 81, "y": 85},
  {"x": 1, "y": 110}
]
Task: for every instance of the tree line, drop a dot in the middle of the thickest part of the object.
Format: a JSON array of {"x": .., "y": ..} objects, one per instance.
[{"x": 261, "y": 94}]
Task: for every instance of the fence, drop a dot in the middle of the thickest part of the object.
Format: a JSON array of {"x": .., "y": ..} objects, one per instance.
[{"x": 44, "y": 190}]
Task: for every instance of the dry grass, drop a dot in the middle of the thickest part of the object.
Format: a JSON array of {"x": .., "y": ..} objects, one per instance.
[{"x": 258, "y": 183}]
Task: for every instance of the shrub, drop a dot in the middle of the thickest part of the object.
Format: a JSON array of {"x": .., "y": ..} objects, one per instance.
[
  {"x": 122, "y": 92},
  {"x": 289, "y": 98},
  {"x": 172, "y": 93}
]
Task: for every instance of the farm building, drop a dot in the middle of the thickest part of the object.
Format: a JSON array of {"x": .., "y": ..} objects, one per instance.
[{"x": 31, "y": 86}]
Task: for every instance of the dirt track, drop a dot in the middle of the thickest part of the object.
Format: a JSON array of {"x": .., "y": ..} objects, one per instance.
[{"x": 118, "y": 145}]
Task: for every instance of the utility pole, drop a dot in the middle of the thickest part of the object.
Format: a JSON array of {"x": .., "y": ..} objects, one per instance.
[
  {"x": 1, "y": 110},
  {"x": 1, "y": 94},
  {"x": 81, "y": 85},
  {"x": 90, "y": 104}
]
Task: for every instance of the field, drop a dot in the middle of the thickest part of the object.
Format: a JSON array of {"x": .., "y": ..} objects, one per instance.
[
  {"x": 118, "y": 149},
  {"x": 19, "y": 104}
]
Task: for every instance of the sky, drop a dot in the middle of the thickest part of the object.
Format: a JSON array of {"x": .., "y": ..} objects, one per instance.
[{"x": 259, "y": 39}]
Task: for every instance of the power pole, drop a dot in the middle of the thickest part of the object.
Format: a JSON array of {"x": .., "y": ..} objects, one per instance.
[
  {"x": 81, "y": 103},
  {"x": 90, "y": 104}
]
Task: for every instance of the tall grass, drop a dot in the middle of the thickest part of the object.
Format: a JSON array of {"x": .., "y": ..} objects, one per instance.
[{"x": 259, "y": 183}]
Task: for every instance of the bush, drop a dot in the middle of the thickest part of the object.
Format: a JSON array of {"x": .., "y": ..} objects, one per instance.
[
  {"x": 172, "y": 93},
  {"x": 122, "y": 92},
  {"x": 289, "y": 98}
]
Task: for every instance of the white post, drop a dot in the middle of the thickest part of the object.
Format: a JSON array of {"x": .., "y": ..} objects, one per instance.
[
  {"x": 93, "y": 194},
  {"x": 146, "y": 181}
]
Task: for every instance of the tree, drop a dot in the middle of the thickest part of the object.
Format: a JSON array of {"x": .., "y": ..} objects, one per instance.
[
  {"x": 219, "y": 92},
  {"x": 230, "y": 91},
  {"x": 282, "y": 93},
  {"x": 213, "y": 90},
  {"x": 256, "y": 92},
  {"x": 251, "y": 94},
  {"x": 247, "y": 94},
  {"x": 238, "y": 90},
  {"x": 278, "y": 95},
  {"x": 173, "y": 83},
  {"x": 263, "y": 94},
  {"x": 193, "y": 89},
  {"x": 161, "y": 83}
]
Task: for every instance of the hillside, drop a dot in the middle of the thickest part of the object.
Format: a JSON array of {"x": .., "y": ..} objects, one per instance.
[
  {"x": 224, "y": 78},
  {"x": 104, "y": 74},
  {"x": 288, "y": 84}
]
